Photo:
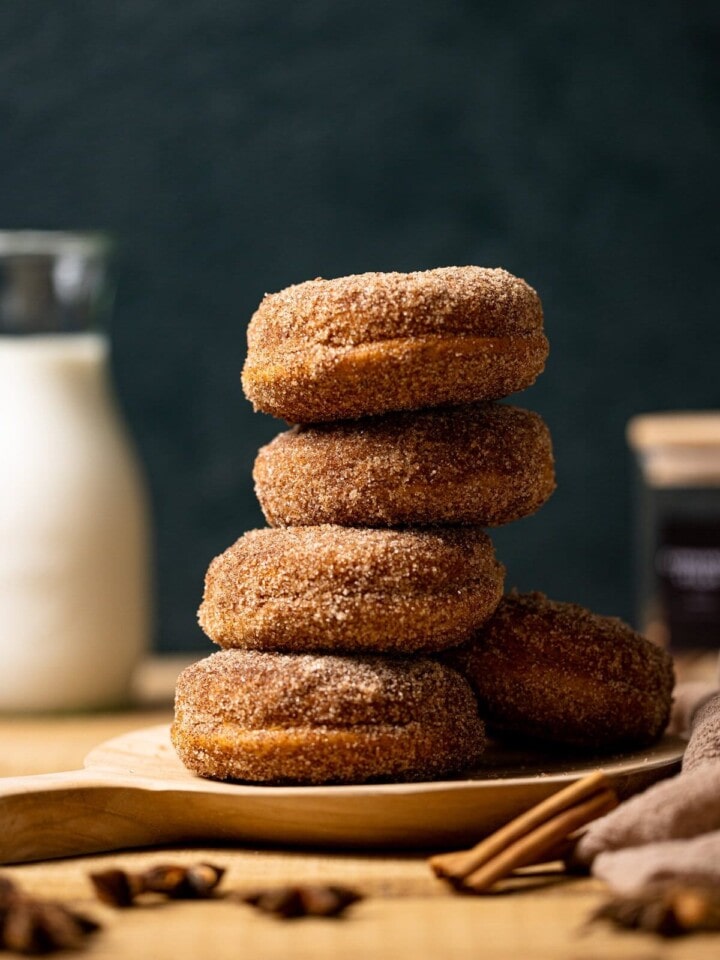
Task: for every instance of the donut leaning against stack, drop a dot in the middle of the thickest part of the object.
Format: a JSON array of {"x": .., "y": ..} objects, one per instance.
[{"x": 555, "y": 672}]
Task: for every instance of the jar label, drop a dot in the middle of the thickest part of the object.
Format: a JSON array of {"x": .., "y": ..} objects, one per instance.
[{"x": 687, "y": 566}]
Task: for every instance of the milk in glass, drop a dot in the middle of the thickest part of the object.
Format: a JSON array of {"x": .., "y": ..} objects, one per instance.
[{"x": 74, "y": 606}]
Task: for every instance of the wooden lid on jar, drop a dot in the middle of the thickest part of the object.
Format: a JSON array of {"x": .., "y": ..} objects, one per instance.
[
  {"x": 678, "y": 447},
  {"x": 699, "y": 428}
]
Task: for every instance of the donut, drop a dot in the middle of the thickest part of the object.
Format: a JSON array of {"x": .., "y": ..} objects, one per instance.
[
  {"x": 302, "y": 589},
  {"x": 376, "y": 342},
  {"x": 301, "y": 718},
  {"x": 483, "y": 464},
  {"x": 557, "y": 672}
]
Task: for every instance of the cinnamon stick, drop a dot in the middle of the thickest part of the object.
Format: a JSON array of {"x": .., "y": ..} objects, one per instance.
[
  {"x": 531, "y": 847},
  {"x": 462, "y": 863}
]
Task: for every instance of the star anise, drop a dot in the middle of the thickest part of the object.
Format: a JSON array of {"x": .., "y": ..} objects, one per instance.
[
  {"x": 302, "y": 901},
  {"x": 119, "y": 888},
  {"x": 32, "y": 926},
  {"x": 669, "y": 912}
]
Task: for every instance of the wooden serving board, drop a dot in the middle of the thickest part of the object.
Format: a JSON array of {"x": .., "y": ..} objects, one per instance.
[{"x": 134, "y": 792}]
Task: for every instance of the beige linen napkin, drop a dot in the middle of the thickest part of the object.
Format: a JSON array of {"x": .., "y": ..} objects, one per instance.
[
  {"x": 704, "y": 746},
  {"x": 670, "y": 833},
  {"x": 691, "y": 862}
]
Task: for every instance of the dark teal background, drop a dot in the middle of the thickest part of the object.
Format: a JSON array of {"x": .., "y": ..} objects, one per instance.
[{"x": 236, "y": 147}]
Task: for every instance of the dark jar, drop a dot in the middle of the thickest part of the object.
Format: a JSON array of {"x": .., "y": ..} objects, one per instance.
[{"x": 678, "y": 535}]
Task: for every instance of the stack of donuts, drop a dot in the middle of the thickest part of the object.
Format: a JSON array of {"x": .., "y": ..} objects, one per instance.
[{"x": 364, "y": 633}]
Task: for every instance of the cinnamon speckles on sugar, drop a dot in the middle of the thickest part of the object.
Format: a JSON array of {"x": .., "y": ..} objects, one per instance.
[
  {"x": 367, "y": 307},
  {"x": 328, "y": 588},
  {"x": 485, "y": 464},
  {"x": 375, "y": 342},
  {"x": 251, "y": 715}
]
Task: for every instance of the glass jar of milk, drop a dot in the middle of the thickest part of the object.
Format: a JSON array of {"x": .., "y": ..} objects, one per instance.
[{"x": 74, "y": 599}]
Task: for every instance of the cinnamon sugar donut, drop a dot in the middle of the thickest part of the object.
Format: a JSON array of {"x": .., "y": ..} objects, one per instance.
[
  {"x": 376, "y": 342},
  {"x": 484, "y": 464},
  {"x": 301, "y": 589},
  {"x": 283, "y": 718},
  {"x": 557, "y": 672}
]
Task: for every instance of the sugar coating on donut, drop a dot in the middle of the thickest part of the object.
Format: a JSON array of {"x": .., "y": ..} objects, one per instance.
[
  {"x": 485, "y": 464},
  {"x": 556, "y": 671},
  {"x": 258, "y": 716},
  {"x": 376, "y": 342},
  {"x": 367, "y": 307},
  {"x": 327, "y": 587}
]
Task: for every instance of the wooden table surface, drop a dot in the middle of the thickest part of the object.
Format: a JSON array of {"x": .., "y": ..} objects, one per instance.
[{"x": 406, "y": 911}]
